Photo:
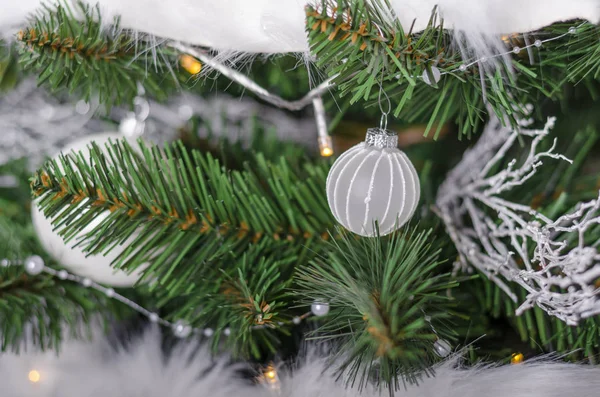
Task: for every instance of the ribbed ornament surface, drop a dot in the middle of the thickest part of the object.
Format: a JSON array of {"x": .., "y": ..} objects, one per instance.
[{"x": 369, "y": 183}]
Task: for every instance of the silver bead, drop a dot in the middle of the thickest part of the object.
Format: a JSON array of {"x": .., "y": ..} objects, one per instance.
[
  {"x": 208, "y": 332},
  {"x": 82, "y": 107},
  {"x": 435, "y": 72},
  {"x": 34, "y": 265},
  {"x": 63, "y": 274},
  {"x": 442, "y": 348},
  {"x": 516, "y": 50},
  {"x": 462, "y": 68},
  {"x": 131, "y": 127},
  {"x": 181, "y": 329},
  {"x": 296, "y": 320},
  {"x": 572, "y": 30},
  {"x": 537, "y": 43},
  {"x": 86, "y": 282},
  {"x": 110, "y": 292},
  {"x": 319, "y": 308},
  {"x": 185, "y": 112},
  {"x": 153, "y": 317},
  {"x": 227, "y": 331},
  {"x": 5, "y": 263},
  {"x": 483, "y": 59}
]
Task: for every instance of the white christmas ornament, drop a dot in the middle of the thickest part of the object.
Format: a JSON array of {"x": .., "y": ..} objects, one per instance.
[
  {"x": 373, "y": 181},
  {"x": 96, "y": 267}
]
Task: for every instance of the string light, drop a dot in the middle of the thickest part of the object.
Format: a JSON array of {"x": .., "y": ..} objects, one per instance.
[
  {"x": 34, "y": 376},
  {"x": 517, "y": 358},
  {"x": 325, "y": 146},
  {"x": 270, "y": 377},
  {"x": 191, "y": 64},
  {"x": 324, "y": 140}
]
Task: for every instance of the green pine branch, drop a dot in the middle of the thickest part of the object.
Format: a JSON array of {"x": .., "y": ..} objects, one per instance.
[
  {"x": 179, "y": 206},
  {"x": 246, "y": 302},
  {"x": 223, "y": 240},
  {"x": 74, "y": 50},
  {"x": 367, "y": 48},
  {"x": 381, "y": 291},
  {"x": 41, "y": 308}
]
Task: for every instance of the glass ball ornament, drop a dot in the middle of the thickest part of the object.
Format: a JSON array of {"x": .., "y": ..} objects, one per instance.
[
  {"x": 73, "y": 258},
  {"x": 34, "y": 265},
  {"x": 442, "y": 348},
  {"x": 373, "y": 181},
  {"x": 319, "y": 308}
]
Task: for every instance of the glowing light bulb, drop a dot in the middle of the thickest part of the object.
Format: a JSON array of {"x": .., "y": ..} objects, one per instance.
[
  {"x": 517, "y": 358},
  {"x": 271, "y": 374},
  {"x": 325, "y": 146},
  {"x": 191, "y": 64},
  {"x": 270, "y": 377},
  {"x": 34, "y": 376}
]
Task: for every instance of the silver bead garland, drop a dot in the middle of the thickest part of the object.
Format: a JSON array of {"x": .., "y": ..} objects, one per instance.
[{"x": 34, "y": 265}]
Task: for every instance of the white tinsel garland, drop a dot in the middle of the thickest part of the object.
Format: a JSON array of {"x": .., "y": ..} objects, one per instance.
[{"x": 99, "y": 369}]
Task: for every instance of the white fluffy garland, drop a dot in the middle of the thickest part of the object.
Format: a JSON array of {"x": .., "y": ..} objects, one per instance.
[
  {"x": 98, "y": 370},
  {"x": 274, "y": 26}
]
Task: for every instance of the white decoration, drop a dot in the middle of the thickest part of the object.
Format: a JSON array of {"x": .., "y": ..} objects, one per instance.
[
  {"x": 373, "y": 181},
  {"x": 99, "y": 369},
  {"x": 435, "y": 72},
  {"x": 319, "y": 308},
  {"x": 181, "y": 329},
  {"x": 34, "y": 265},
  {"x": 442, "y": 348},
  {"x": 96, "y": 267},
  {"x": 275, "y": 26},
  {"x": 494, "y": 234}
]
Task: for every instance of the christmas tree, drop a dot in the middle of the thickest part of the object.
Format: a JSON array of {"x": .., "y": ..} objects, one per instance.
[{"x": 336, "y": 197}]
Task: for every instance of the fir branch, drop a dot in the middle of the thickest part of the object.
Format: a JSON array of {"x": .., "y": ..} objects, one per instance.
[
  {"x": 88, "y": 58},
  {"x": 366, "y": 48},
  {"x": 39, "y": 309},
  {"x": 380, "y": 291},
  {"x": 245, "y": 295},
  {"x": 180, "y": 206}
]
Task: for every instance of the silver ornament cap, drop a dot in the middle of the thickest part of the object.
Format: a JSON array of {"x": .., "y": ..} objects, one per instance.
[
  {"x": 34, "y": 265},
  {"x": 380, "y": 138}
]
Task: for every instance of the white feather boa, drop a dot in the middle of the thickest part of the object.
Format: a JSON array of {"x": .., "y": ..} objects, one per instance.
[
  {"x": 275, "y": 26},
  {"x": 98, "y": 370}
]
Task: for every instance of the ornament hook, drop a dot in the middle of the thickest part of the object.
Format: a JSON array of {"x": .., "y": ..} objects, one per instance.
[{"x": 384, "y": 113}]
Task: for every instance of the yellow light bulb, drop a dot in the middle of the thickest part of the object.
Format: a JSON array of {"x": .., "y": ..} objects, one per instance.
[
  {"x": 191, "y": 64},
  {"x": 517, "y": 358},
  {"x": 34, "y": 376},
  {"x": 271, "y": 374},
  {"x": 325, "y": 146},
  {"x": 326, "y": 152}
]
